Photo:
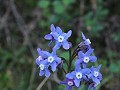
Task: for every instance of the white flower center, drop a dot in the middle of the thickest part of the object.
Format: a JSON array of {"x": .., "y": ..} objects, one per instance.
[
  {"x": 79, "y": 75},
  {"x": 96, "y": 73},
  {"x": 60, "y": 39},
  {"x": 42, "y": 67},
  {"x": 88, "y": 40},
  {"x": 40, "y": 58},
  {"x": 50, "y": 59},
  {"x": 86, "y": 59},
  {"x": 70, "y": 83}
]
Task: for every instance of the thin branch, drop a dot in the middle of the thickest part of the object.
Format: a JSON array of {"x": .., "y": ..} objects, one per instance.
[
  {"x": 55, "y": 78},
  {"x": 41, "y": 84},
  {"x": 49, "y": 85},
  {"x": 32, "y": 77},
  {"x": 20, "y": 22},
  {"x": 4, "y": 19}
]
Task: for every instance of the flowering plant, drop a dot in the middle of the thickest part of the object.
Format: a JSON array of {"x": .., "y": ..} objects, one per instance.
[{"x": 49, "y": 62}]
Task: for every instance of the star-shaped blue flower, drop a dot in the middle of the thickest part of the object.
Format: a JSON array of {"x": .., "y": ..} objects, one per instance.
[
  {"x": 84, "y": 58},
  {"x": 61, "y": 39},
  {"x": 52, "y": 60},
  {"x": 69, "y": 83},
  {"x": 43, "y": 67},
  {"x": 50, "y": 36},
  {"x": 78, "y": 75},
  {"x": 95, "y": 75},
  {"x": 41, "y": 54}
]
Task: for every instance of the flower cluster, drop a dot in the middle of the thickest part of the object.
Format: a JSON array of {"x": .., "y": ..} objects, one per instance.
[{"x": 82, "y": 56}]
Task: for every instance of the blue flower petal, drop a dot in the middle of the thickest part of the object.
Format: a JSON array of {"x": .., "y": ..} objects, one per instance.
[
  {"x": 70, "y": 76},
  {"x": 89, "y": 52},
  {"x": 45, "y": 62},
  {"x": 93, "y": 68},
  {"x": 98, "y": 68},
  {"x": 41, "y": 73},
  {"x": 46, "y": 53},
  {"x": 53, "y": 66},
  {"x": 58, "y": 60},
  {"x": 39, "y": 51},
  {"x": 85, "y": 71},
  {"x": 83, "y": 36},
  {"x": 55, "y": 35},
  {"x": 100, "y": 76},
  {"x": 73, "y": 73},
  {"x": 57, "y": 46},
  {"x": 97, "y": 81},
  {"x": 90, "y": 75},
  {"x": 68, "y": 34},
  {"x": 50, "y": 42},
  {"x": 77, "y": 82},
  {"x": 81, "y": 54},
  {"x": 37, "y": 61},
  {"x": 66, "y": 45},
  {"x": 94, "y": 88},
  {"x": 92, "y": 58},
  {"x": 90, "y": 86},
  {"x": 68, "y": 87},
  {"x": 58, "y": 30},
  {"x": 52, "y": 27},
  {"x": 84, "y": 65},
  {"x": 48, "y": 37},
  {"x": 47, "y": 72},
  {"x": 63, "y": 82},
  {"x": 77, "y": 63}
]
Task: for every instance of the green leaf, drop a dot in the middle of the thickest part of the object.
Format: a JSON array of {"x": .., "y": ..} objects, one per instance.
[
  {"x": 65, "y": 55},
  {"x": 61, "y": 87},
  {"x": 115, "y": 37},
  {"x": 53, "y": 18},
  {"x": 115, "y": 67},
  {"x": 58, "y": 7},
  {"x": 68, "y": 2},
  {"x": 112, "y": 54},
  {"x": 43, "y": 3}
]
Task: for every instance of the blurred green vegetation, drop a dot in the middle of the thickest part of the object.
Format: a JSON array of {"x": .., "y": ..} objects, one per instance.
[{"x": 23, "y": 24}]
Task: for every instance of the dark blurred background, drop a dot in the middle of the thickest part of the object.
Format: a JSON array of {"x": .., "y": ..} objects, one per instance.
[{"x": 23, "y": 24}]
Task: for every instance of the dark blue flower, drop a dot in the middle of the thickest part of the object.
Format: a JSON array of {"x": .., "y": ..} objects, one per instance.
[
  {"x": 50, "y": 36},
  {"x": 43, "y": 67},
  {"x": 78, "y": 75},
  {"x": 61, "y": 39},
  {"x": 53, "y": 60},
  {"x": 84, "y": 58},
  {"x": 95, "y": 75},
  {"x": 69, "y": 83}
]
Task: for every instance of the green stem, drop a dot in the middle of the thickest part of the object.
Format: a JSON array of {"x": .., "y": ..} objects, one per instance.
[
  {"x": 64, "y": 71},
  {"x": 70, "y": 61}
]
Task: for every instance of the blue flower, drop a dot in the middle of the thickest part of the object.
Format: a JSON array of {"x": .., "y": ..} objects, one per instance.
[
  {"x": 43, "y": 67},
  {"x": 61, "y": 39},
  {"x": 52, "y": 60},
  {"x": 78, "y": 75},
  {"x": 69, "y": 83},
  {"x": 95, "y": 75},
  {"x": 41, "y": 54},
  {"x": 50, "y": 36},
  {"x": 86, "y": 41},
  {"x": 84, "y": 58}
]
